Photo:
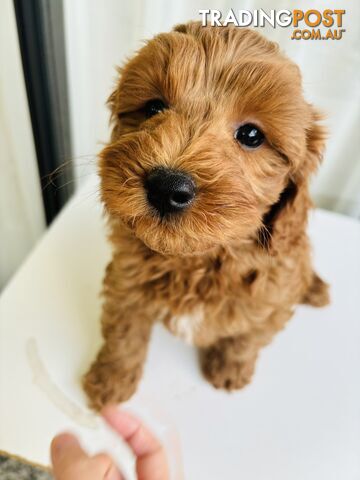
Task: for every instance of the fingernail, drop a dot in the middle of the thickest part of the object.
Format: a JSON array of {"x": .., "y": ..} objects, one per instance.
[
  {"x": 112, "y": 474},
  {"x": 63, "y": 440}
]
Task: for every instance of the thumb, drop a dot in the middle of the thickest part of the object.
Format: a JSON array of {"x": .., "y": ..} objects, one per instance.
[
  {"x": 66, "y": 450},
  {"x": 70, "y": 462}
]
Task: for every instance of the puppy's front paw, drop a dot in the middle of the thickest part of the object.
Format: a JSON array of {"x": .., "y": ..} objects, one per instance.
[
  {"x": 105, "y": 384},
  {"x": 222, "y": 372}
]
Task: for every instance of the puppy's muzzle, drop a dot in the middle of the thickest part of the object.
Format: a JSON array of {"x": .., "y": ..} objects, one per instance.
[{"x": 169, "y": 191}]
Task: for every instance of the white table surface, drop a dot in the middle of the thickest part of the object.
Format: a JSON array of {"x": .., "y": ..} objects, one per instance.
[{"x": 298, "y": 420}]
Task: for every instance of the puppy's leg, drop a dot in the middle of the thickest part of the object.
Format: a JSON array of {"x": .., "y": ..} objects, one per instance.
[
  {"x": 114, "y": 375},
  {"x": 126, "y": 328},
  {"x": 318, "y": 293},
  {"x": 230, "y": 362}
]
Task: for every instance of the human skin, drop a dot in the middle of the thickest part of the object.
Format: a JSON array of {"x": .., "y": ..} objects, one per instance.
[{"x": 71, "y": 462}]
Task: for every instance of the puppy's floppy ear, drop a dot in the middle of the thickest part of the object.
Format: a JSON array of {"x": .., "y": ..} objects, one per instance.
[
  {"x": 316, "y": 135},
  {"x": 294, "y": 199}
]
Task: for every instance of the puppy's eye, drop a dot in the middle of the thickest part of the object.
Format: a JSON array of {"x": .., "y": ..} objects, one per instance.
[
  {"x": 153, "y": 107},
  {"x": 249, "y": 135}
]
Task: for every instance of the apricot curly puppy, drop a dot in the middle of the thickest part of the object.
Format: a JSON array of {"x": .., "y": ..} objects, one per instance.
[{"x": 205, "y": 182}]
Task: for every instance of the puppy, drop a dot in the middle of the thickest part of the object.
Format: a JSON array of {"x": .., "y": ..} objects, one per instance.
[{"x": 205, "y": 183}]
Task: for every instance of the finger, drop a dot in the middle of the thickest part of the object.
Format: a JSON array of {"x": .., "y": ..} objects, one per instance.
[
  {"x": 66, "y": 450},
  {"x": 70, "y": 462},
  {"x": 139, "y": 438},
  {"x": 151, "y": 460},
  {"x": 105, "y": 463}
]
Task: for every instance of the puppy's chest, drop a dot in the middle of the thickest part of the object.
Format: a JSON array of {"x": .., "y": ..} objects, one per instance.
[
  {"x": 186, "y": 326},
  {"x": 187, "y": 286},
  {"x": 193, "y": 300}
]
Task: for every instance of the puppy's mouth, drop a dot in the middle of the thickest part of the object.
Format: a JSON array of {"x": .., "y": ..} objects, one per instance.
[
  {"x": 169, "y": 235},
  {"x": 170, "y": 194},
  {"x": 173, "y": 212}
]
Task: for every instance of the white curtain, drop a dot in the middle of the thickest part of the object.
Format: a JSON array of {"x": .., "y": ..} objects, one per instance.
[
  {"x": 102, "y": 33},
  {"x": 21, "y": 210}
]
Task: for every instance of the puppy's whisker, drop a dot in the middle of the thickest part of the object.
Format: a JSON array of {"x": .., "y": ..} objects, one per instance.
[
  {"x": 265, "y": 236},
  {"x": 125, "y": 182},
  {"x": 67, "y": 168}
]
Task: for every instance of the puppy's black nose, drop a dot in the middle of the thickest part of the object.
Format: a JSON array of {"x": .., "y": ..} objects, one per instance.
[{"x": 169, "y": 191}]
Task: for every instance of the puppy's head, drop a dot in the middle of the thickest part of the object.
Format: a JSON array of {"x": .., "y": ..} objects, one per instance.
[{"x": 211, "y": 133}]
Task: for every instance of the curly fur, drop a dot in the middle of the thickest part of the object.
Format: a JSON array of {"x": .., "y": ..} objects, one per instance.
[{"x": 238, "y": 260}]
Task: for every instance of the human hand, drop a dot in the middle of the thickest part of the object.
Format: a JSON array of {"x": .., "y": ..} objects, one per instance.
[{"x": 71, "y": 462}]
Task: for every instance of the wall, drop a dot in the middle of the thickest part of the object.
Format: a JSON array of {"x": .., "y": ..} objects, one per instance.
[
  {"x": 21, "y": 210},
  {"x": 100, "y": 34}
]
